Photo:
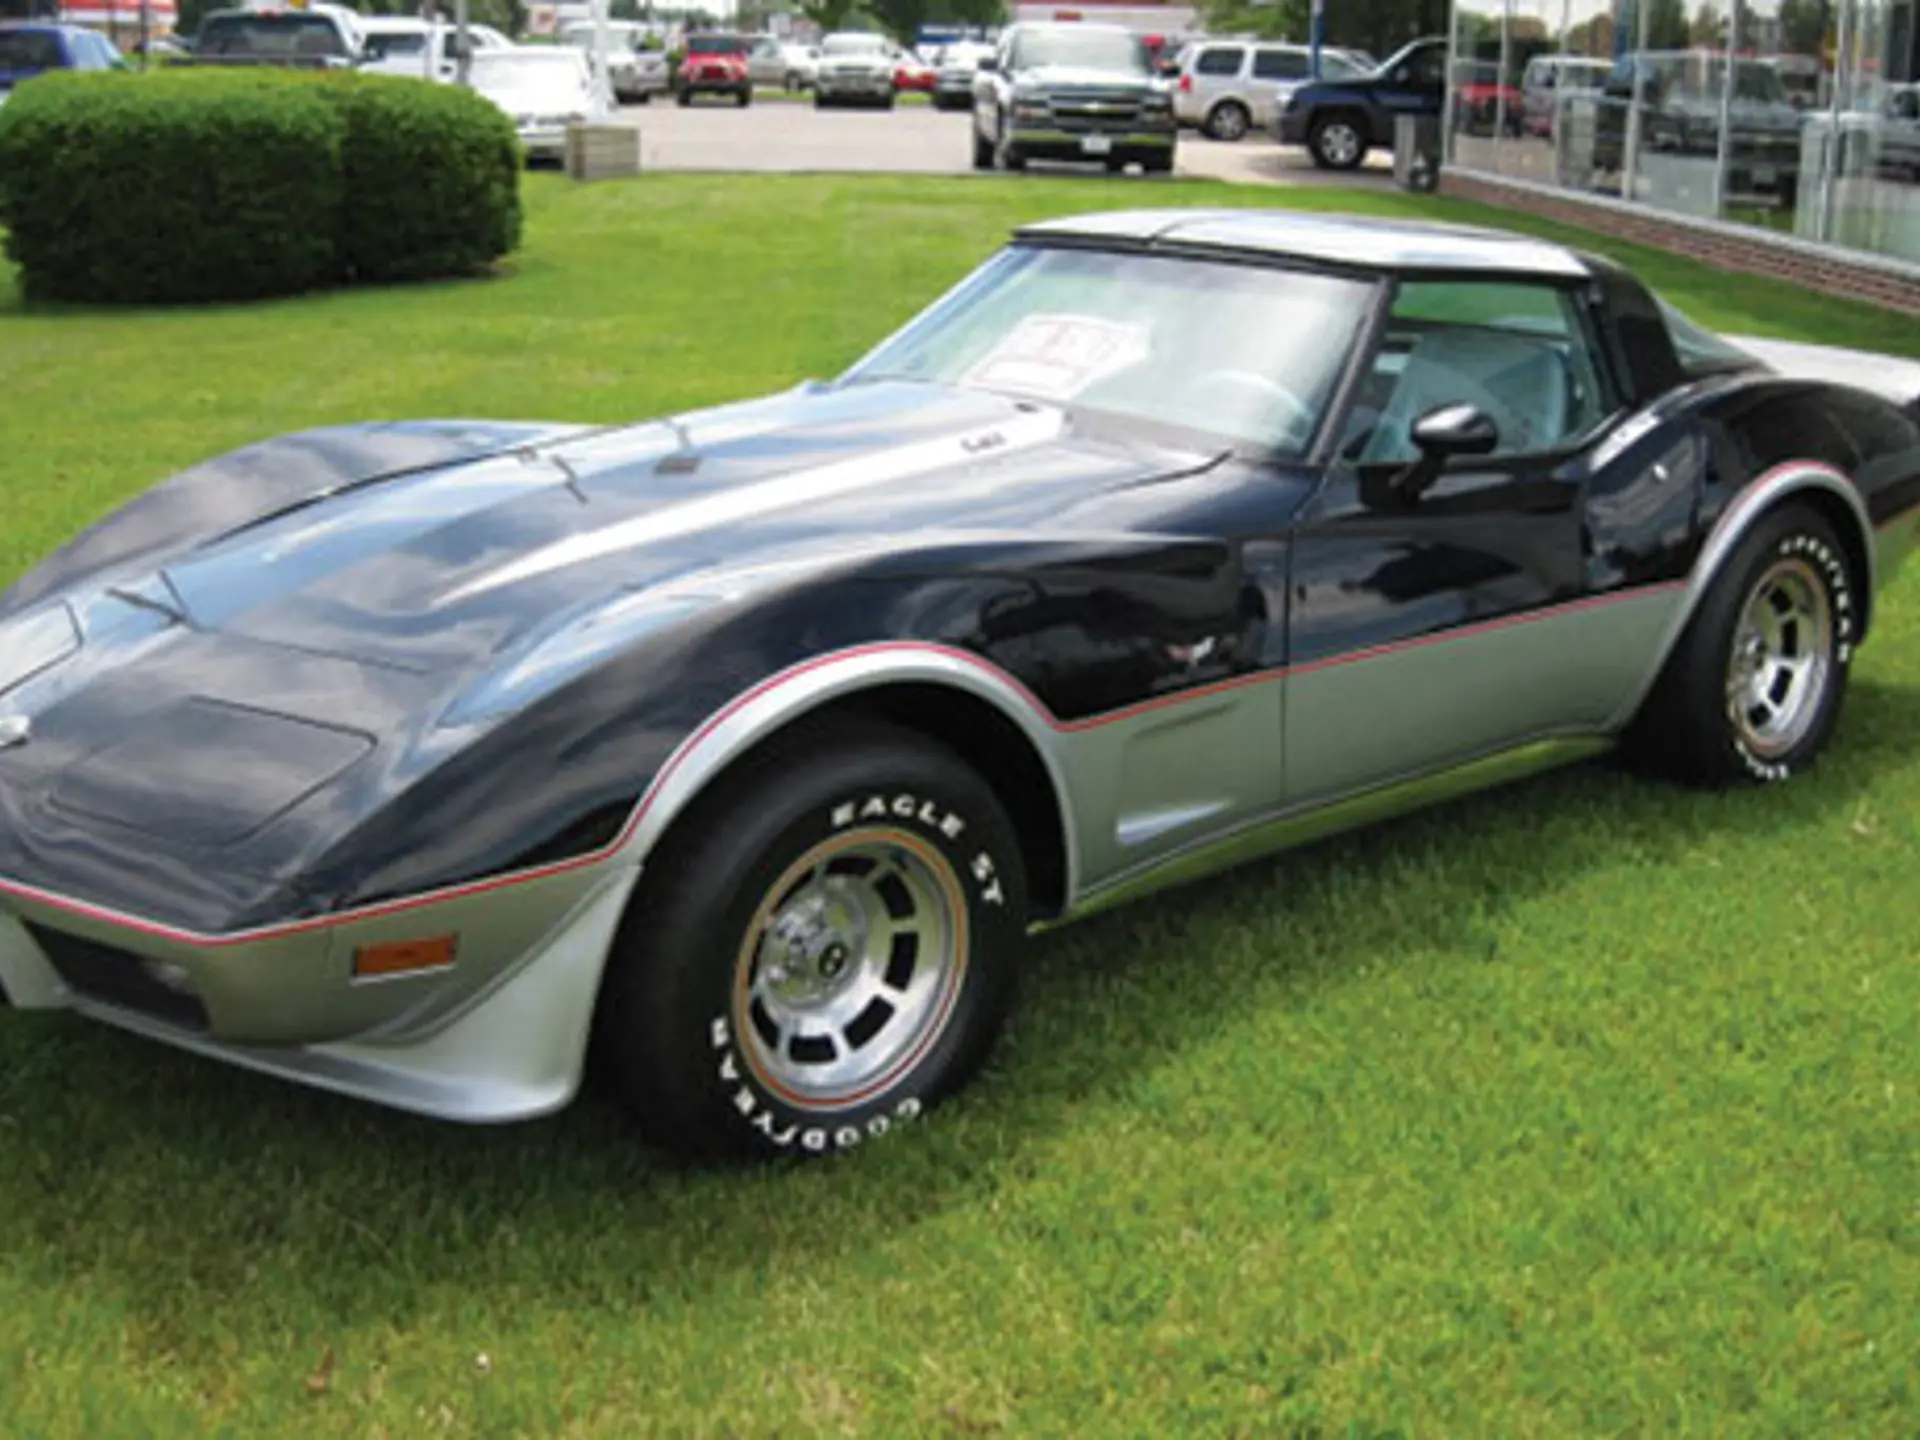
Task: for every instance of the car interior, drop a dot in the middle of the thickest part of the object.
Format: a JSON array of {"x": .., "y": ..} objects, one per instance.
[{"x": 1513, "y": 352}]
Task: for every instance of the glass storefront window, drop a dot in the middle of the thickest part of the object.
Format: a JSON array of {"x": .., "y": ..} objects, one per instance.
[{"x": 1798, "y": 116}]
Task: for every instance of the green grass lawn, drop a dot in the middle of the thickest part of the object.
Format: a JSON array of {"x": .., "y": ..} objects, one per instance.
[{"x": 1587, "y": 1107}]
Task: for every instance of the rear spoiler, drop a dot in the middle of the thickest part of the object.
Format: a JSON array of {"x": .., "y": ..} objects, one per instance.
[{"x": 1887, "y": 376}]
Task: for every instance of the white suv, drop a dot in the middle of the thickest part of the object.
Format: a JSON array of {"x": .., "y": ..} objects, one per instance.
[{"x": 1228, "y": 87}]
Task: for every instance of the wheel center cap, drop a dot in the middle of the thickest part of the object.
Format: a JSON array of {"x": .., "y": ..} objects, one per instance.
[{"x": 809, "y": 950}]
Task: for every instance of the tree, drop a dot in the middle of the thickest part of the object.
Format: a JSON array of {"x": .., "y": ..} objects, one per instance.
[
  {"x": 829, "y": 15},
  {"x": 1803, "y": 26},
  {"x": 902, "y": 19}
]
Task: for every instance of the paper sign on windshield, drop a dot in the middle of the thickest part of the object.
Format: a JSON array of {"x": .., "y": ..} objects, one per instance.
[{"x": 1059, "y": 355}]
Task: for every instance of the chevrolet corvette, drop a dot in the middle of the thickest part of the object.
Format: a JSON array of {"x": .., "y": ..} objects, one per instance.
[{"x": 743, "y": 747}]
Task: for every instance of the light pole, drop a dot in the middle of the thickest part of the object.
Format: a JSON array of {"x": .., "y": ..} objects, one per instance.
[{"x": 602, "y": 78}]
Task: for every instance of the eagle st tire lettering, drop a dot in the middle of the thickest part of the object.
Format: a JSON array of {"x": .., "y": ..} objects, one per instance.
[{"x": 828, "y": 956}]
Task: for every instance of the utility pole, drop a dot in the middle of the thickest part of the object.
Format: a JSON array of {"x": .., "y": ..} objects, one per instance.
[{"x": 462, "y": 47}]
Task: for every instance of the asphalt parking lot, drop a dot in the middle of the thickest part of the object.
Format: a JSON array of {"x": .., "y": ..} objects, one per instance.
[{"x": 912, "y": 138}]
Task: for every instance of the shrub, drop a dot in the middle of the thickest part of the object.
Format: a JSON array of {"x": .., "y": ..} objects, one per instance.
[
  {"x": 176, "y": 185},
  {"x": 207, "y": 184},
  {"x": 432, "y": 179}
]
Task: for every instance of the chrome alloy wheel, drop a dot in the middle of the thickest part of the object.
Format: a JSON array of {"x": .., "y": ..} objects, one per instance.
[
  {"x": 1783, "y": 645},
  {"x": 850, "y": 967}
]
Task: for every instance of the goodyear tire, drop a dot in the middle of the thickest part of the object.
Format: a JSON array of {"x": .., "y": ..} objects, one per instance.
[
  {"x": 1753, "y": 689},
  {"x": 824, "y": 952}
]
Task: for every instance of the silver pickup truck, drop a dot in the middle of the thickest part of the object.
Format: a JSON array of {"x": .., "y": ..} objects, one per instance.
[{"x": 1071, "y": 92}]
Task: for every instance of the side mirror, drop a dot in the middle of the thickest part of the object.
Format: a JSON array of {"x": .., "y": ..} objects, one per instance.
[
  {"x": 1440, "y": 435},
  {"x": 989, "y": 63}
]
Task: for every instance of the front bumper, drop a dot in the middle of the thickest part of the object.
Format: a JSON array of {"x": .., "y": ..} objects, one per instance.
[
  {"x": 1047, "y": 142},
  {"x": 497, "y": 1035},
  {"x": 1290, "y": 127},
  {"x": 544, "y": 142},
  {"x": 875, "y": 86}
]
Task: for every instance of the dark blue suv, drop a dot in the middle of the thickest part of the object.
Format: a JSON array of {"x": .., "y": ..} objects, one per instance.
[
  {"x": 1340, "y": 120},
  {"x": 28, "y": 48}
]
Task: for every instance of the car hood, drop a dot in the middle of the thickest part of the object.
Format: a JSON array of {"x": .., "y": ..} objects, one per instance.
[
  {"x": 449, "y": 568},
  {"x": 211, "y": 714},
  {"x": 1080, "y": 77}
]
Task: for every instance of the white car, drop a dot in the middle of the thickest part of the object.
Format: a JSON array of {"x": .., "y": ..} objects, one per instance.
[
  {"x": 543, "y": 88},
  {"x": 634, "y": 72},
  {"x": 857, "y": 68},
  {"x": 403, "y": 45},
  {"x": 954, "y": 69},
  {"x": 802, "y": 66}
]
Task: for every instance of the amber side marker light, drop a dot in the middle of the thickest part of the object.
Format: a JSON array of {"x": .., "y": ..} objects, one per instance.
[{"x": 403, "y": 957}]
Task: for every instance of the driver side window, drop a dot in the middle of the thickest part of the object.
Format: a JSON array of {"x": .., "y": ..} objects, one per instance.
[{"x": 1519, "y": 352}]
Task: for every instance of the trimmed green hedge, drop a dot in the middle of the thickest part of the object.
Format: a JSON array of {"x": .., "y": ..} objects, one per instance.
[
  {"x": 191, "y": 185},
  {"x": 432, "y": 179}
]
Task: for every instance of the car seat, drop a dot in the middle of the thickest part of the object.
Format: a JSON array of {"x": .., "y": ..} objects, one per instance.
[{"x": 1522, "y": 384}]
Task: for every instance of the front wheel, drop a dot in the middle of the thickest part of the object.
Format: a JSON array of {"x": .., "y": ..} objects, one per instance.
[
  {"x": 743, "y": 99},
  {"x": 1752, "y": 691},
  {"x": 1336, "y": 143},
  {"x": 982, "y": 151},
  {"x": 685, "y": 97},
  {"x": 827, "y": 952}
]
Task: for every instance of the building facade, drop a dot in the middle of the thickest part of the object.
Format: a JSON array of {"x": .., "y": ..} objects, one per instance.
[{"x": 1793, "y": 125}]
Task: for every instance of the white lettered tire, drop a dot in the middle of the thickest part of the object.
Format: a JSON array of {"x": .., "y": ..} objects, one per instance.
[
  {"x": 821, "y": 953},
  {"x": 1753, "y": 690}
]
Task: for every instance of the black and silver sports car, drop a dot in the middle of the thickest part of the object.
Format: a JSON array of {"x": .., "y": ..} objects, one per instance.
[{"x": 405, "y": 759}]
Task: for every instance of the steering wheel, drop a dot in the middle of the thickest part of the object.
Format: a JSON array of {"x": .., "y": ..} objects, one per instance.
[{"x": 1299, "y": 419}]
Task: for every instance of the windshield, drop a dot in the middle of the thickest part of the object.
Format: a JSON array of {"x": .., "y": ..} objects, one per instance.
[
  {"x": 1245, "y": 353},
  {"x": 852, "y": 45},
  {"x": 28, "y": 50},
  {"x": 276, "y": 35},
  {"x": 716, "y": 45},
  {"x": 553, "y": 71},
  {"x": 386, "y": 47},
  {"x": 1085, "y": 49}
]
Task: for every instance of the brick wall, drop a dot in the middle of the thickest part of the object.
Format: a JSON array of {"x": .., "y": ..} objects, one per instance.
[{"x": 1830, "y": 272}]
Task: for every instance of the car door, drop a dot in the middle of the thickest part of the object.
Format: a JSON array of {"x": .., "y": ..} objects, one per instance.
[
  {"x": 1415, "y": 86},
  {"x": 989, "y": 85},
  {"x": 1424, "y": 632},
  {"x": 765, "y": 64}
]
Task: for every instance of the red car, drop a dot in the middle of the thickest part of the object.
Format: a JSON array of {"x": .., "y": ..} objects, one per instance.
[
  {"x": 1482, "y": 100},
  {"x": 910, "y": 73},
  {"x": 714, "y": 65}
]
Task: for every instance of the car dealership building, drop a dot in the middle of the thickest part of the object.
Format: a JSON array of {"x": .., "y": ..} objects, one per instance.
[{"x": 1779, "y": 136}]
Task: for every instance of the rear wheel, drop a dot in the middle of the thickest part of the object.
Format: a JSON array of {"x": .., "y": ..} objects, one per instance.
[
  {"x": 828, "y": 951},
  {"x": 1229, "y": 120},
  {"x": 743, "y": 99},
  {"x": 1753, "y": 689},
  {"x": 685, "y": 97}
]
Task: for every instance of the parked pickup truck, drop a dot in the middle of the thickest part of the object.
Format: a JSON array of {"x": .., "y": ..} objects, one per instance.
[
  {"x": 1340, "y": 120},
  {"x": 1074, "y": 91},
  {"x": 315, "y": 36}
]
